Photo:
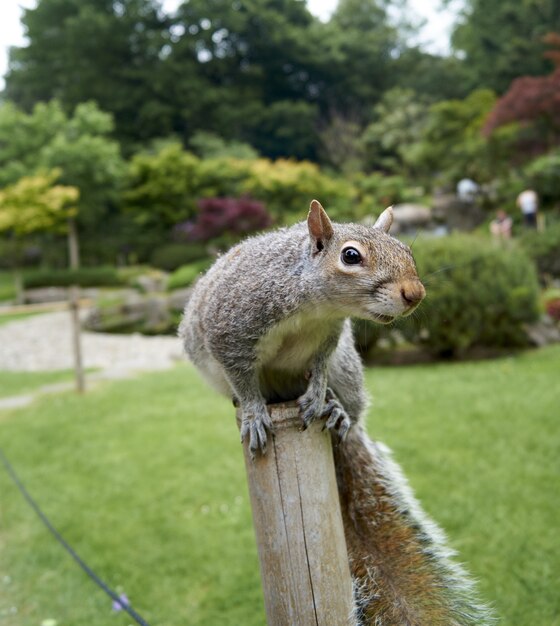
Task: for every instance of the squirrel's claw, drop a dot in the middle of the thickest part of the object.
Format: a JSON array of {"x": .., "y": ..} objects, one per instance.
[
  {"x": 310, "y": 409},
  {"x": 256, "y": 427},
  {"x": 337, "y": 418}
]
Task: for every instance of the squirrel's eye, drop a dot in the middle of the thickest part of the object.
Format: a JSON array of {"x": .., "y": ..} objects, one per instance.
[{"x": 351, "y": 256}]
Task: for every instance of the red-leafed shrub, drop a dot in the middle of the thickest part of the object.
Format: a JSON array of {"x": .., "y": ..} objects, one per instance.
[
  {"x": 224, "y": 216},
  {"x": 530, "y": 98},
  {"x": 553, "y": 309}
]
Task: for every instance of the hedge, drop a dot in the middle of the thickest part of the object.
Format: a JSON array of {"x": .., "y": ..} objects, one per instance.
[
  {"x": 544, "y": 249},
  {"x": 171, "y": 256},
  {"x": 84, "y": 277},
  {"x": 187, "y": 274}
]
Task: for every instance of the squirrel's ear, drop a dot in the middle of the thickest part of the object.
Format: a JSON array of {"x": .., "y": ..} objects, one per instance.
[
  {"x": 385, "y": 220},
  {"x": 319, "y": 224}
]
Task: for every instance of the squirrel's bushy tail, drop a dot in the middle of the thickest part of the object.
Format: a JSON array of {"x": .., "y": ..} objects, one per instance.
[{"x": 402, "y": 570}]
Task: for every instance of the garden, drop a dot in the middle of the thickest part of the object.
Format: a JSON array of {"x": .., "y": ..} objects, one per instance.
[
  {"x": 137, "y": 145},
  {"x": 145, "y": 479}
]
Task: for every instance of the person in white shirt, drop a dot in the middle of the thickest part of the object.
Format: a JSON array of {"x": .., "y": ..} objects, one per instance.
[{"x": 528, "y": 202}]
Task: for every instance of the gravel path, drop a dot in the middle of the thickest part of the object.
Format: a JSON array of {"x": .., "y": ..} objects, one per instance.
[{"x": 44, "y": 342}]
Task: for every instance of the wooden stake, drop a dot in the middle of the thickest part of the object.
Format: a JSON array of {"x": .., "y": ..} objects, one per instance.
[
  {"x": 74, "y": 297},
  {"x": 74, "y": 303},
  {"x": 298, "y": 525}
]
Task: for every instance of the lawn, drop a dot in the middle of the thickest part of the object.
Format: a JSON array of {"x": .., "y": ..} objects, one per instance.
[
  {"x": 145, "y": 479},
  {"x": 16, "y": 383}
]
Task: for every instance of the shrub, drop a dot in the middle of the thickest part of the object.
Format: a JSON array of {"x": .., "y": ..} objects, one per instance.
[
  {"x": 478, "y": 294},
  {"x": 173, "y": 255},
  {"x": 544, "y": 249},
  {"x": 84, "y": 277},
  {"x": 544, "y": 176},
  {"x": 287, "y": 187},
  {"x": 187, "y": 274},
  {"x": 225, "y": 217}
]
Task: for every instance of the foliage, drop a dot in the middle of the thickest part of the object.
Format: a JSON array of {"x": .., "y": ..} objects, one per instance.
[
  {"x": 251, "y": 71},
  {"x": 161, "y": 188},
  {"x": 452, "y": 144},
  {"x": 479, "y": 294},
  {"x": 172, "y": 255},
  {"x": 376, "y": 191},
  {"x": 109, "y": 52},
  {"x": 186, "y": 275},
  {"x": 500, "y": 41},
  {"x": 553, "y": 308},
  {"x": 226, "y": 217},
  {"x": 85, "y": 277},
  {"x": 211, "y": 146},
  {"x": 544, "y": 249},
  {"x": 530, "y": 99},
  {"x": 36, "y": 203},
  {"x": 78, "y": 146},
  {"x": 399, "y": 119},
  {"x": 543, "y": 175},
  {"x": 492, "y": 425},
  {"x": 286, "y": 188},
  {"x": 340, "y": 139}
]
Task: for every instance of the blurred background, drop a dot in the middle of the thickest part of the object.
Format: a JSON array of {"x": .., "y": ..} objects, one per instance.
[{"x": 138, "y": 140}]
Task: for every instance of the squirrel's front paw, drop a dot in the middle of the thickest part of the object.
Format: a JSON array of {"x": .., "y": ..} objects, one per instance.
[
  {"x": 255, "y": 424},
  {"x": 310, "y": 407},
  {"x": 337, "y": 418}
]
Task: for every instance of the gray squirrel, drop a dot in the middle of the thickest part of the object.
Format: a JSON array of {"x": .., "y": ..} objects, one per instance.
[{"x": 270, "y": 322}]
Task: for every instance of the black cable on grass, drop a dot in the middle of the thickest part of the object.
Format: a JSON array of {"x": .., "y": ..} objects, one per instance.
[{"x": 124, "y": 605}]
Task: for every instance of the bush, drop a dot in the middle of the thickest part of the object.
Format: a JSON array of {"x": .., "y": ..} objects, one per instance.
[
  {"x": 478, "y": 295},
  {"x": 173, "y": 255},
  {"x": 226, "y": 219},
  {"x": 187, "y": 274},
  {"x": 543, "y": 175},
  {"x": 544, "y": 249},
  {"x": 84, "y": 277}
]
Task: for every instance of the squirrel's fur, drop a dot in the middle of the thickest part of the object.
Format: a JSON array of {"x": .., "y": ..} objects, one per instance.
[{"x": 269, "y": 322}]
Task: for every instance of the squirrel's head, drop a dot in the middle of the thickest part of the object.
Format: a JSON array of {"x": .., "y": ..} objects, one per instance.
[{"x": 368, "y": 273}]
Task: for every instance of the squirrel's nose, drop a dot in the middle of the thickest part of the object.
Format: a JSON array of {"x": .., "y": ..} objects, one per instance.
[{"x": 412, "y": 292}]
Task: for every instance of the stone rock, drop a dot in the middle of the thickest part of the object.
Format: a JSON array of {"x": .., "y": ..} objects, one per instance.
[
  {"x": 411, "y": 215},
  {"x": 543, "y": 332},
  {"x": 152, "y": 282},
  {"x": 43, "y": 295},
  {"x": 178, "y": 298}
]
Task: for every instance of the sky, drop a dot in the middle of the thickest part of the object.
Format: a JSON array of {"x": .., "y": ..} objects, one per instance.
[{"x": 434, "y": 35}]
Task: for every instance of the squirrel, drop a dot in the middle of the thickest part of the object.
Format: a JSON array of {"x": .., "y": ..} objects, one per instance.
[{"x": 270, "y": 322}]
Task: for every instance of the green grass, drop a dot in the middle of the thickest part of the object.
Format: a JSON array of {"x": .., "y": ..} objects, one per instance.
[
  {"x": 16, "y": 383},
  {"x": 7, "y": 286},
  {"x": 145, "y": 478},
  {"x": 5, "y": 318}
]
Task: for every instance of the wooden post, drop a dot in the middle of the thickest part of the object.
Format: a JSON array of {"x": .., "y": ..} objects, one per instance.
[
  {"x": 74, "y": 298},
  {"x": 298, "y": 525},
  {"x": 74, "y": 303}
]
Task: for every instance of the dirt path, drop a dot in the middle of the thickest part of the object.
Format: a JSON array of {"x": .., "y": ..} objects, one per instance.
[{"x": 44, "y": 342}]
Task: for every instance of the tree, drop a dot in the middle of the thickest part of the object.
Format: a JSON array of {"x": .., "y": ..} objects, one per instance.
[
  {"x": 502, "y": 40},
  {"x": 360, "y": 52},
  {"x": 35, "y": 203},
  {"x": 108, "y": 51},
  {"x": 161, "y": 188},
  {"x": 79, "y": 146},
  {"x": 389, "y": 141},
  {"x": 534, "y": 101},
  {"x": 452, "y": 143}
]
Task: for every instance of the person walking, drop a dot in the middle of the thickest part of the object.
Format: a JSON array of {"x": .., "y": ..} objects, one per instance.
[{"x": 528, "y": 202}]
